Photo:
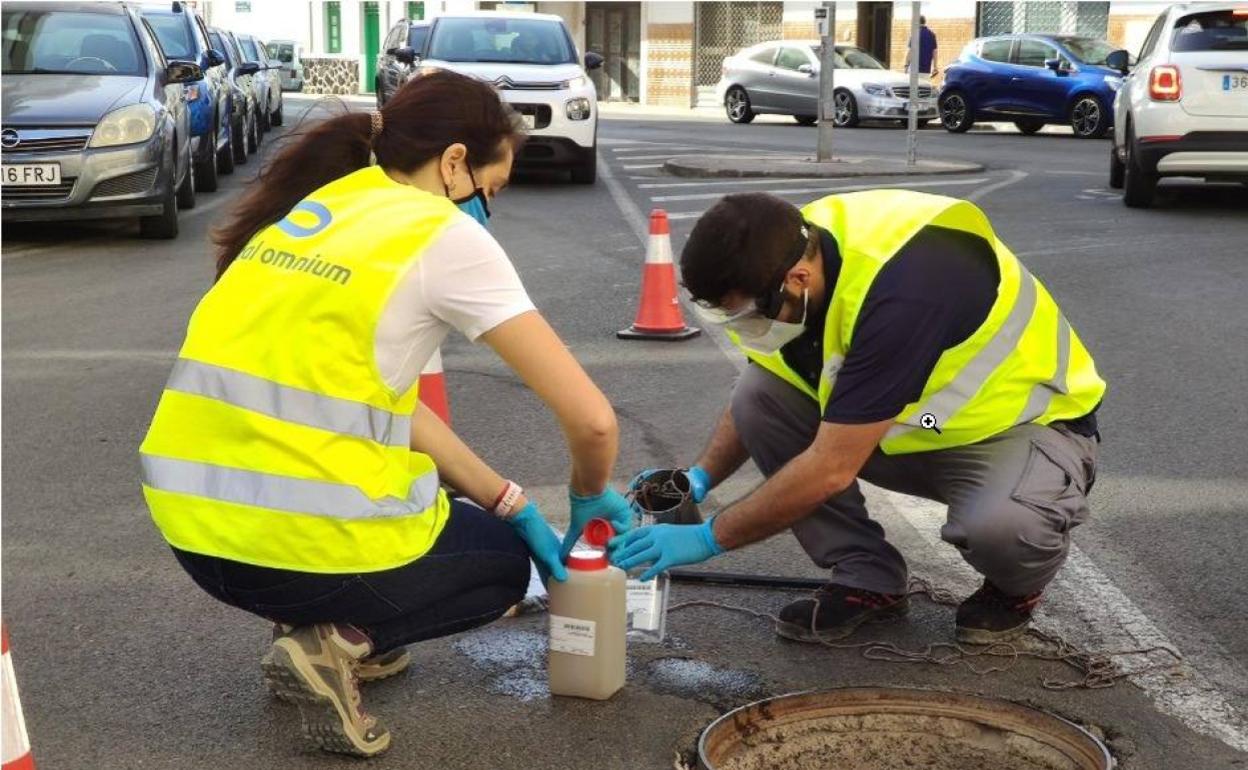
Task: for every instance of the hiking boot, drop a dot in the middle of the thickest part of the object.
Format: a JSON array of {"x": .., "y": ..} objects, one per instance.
[
  {"x": 383, "y": 666},
  {"x": 989, "y": 616},
  {"x": 315, "y": 668},
  {"x": 835, "y": 611},
  {"x": 371, "y": 669}
]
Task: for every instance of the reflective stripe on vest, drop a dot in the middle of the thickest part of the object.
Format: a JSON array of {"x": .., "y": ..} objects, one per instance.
[
  {"x": 946, "y": 402},
  {"x": 1042, "y": 393},
  {"x": 276, "y": 441},
  {"x": 283, "y": 493},
  {"x": 304, "y": 407},
  {"x": 1023, "y": 364}
]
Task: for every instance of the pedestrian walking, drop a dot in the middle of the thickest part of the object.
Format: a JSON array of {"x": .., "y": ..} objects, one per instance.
[
  {"x": 927, "y": 50},
  {"x": 290, "y": 464},
  {"x": 893, "y": 338}
]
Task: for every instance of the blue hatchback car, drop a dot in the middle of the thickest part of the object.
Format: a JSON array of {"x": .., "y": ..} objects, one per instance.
[
  {"x": 1032, "y": 80},
  {"x": 183, "y": 36}
]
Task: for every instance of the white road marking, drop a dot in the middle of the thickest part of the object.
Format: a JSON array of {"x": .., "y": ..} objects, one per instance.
[
  {"x": 664, "y": 156},
  {"x": 1099, "y": 194},
  {"x": 640, "y": 225},
  {"x": 723, "y": 183},
  {"x": 1196, "y": 701},
  {"x": 1085, "y": 607},
  {"x": 643, "y": 166},
  {"x": 1015, "y": 176},
  {"x": 649, "y": 147},
  {"x": 825, "y": 188},
  {"x": 637, "y": 222}
]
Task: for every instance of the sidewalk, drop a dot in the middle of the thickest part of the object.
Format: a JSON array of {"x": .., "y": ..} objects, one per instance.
[
  {"x": 630, "y": 111},
  {"x": 617, "y": 110},
  {"x": 804, "y": 166}
]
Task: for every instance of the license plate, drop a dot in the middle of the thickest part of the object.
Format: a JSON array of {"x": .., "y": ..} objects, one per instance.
[
  {"x": 32, "y": 174},
  {"x": 1235, "y": 82},
  {"x": 529, "y": 121}
]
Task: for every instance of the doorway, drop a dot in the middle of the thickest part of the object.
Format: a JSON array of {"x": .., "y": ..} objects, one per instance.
[
  {"x": 875, "y": 30},
  {"x": 372, "y": 45},
  {"x": 613, "y": 30}
]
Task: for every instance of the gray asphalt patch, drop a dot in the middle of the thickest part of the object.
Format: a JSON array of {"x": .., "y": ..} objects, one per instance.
[{"x": 698, "y": 680}]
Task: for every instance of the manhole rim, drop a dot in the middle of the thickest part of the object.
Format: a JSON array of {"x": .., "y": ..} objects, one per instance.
[{"x": 985, "y": 703}]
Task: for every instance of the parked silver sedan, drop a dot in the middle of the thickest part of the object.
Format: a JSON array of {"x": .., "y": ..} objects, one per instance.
[
  {"x": 782, "y": 78},
  {"x": 270, "y": 73},
  {"x": 95, "y": 121}
]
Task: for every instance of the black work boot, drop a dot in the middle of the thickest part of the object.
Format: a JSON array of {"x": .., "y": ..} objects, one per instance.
[
  {"x": 989, "y": 616},
  {"x": 835, "y": 611}
]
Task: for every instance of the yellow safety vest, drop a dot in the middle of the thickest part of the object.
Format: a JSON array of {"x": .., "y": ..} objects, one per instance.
[
  {"x": 1024, "y": 364},
  {"x": 276, "y": 441}
]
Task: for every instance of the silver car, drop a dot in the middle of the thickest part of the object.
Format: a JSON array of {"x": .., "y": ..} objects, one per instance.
[
  {"x": 245, "y": 118},
  {"x": 782, "y": 77},
  {"x": 270, "y": 75},
  {"x": 95, "y": 123},
  {"x": 257, "y": 82}
]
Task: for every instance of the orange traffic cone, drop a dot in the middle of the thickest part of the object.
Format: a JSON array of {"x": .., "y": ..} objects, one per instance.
[
  {"x": 16, "y": 745},
  {"x": 659, "y": 316},
  {"x": 433, "y": 388}
]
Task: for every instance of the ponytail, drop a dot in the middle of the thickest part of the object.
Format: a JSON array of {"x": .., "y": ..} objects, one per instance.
[{"x": 420, "y": 121}]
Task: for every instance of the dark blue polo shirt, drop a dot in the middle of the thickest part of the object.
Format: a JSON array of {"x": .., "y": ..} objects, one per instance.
[{"x": 931, "y": 296}]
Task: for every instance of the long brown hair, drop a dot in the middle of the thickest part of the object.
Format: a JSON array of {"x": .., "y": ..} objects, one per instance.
[{"x": 420, "y": 121}]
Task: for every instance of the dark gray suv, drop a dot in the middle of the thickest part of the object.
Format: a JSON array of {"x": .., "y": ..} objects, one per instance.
[
  {"x": 95, "y": 122},
  {"x": 404, "y": 47}
]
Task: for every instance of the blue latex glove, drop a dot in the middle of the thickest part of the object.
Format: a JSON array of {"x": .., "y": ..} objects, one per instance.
[
  {"x": 664, "y": 546},
  {"x": 609, "y": 505},
  {"x": 699, "y": 481},
  {"x": 541, "y": 540}
]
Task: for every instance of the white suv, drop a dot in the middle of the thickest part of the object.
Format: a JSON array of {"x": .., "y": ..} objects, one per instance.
[
  {"x": 531, "y": 59},
  {"x": 1183, "y": 110}
]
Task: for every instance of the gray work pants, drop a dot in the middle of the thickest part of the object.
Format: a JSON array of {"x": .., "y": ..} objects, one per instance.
[{"x": 1013, "y": 498}]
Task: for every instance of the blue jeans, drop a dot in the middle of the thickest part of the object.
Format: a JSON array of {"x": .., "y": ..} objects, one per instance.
[{"x": 477, "y": 569}]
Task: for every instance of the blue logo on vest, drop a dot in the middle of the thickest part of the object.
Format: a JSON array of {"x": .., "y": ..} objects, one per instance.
[{"x": 292, "y": 228}]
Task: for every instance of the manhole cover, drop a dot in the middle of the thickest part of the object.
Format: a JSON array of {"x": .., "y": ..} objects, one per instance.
[{"x": 872, "y": 728}]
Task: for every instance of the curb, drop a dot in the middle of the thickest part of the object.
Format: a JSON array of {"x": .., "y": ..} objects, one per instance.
[
  {"x": 792, "y": 166},
  {"x": 694, "y": 114}
]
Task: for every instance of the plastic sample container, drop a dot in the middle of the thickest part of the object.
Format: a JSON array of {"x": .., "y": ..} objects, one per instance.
[{"x": 588, "y": 623}]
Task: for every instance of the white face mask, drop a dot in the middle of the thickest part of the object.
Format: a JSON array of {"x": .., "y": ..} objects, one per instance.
[{"x": 774, "y": 335}]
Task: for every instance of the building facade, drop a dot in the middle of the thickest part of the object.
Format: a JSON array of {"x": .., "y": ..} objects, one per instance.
[{"x": 667, "y": 52}]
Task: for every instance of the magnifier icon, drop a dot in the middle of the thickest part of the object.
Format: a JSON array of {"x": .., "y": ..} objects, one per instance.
[{"x": 927, "y": 421}]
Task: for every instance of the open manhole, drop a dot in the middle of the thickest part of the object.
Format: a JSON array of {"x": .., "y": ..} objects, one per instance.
[{"x": 875, "y": 728}]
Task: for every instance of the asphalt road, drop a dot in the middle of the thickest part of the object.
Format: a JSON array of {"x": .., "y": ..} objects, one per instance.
[{"x": 123, "y": 662}]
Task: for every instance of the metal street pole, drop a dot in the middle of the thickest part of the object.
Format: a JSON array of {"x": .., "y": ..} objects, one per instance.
[
  {"x": 912, "y": 128},
  {"x": 827, "y": 101}
]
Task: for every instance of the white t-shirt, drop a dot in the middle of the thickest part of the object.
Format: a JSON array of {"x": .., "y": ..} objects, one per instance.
[{"x": 464, "y": 281}]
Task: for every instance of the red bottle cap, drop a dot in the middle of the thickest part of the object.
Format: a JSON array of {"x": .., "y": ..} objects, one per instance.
[
  {"x": 588, "y": 560},
  {"x": 598, "y": 532}
]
